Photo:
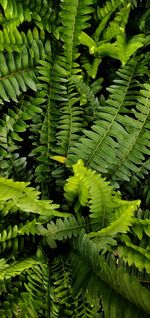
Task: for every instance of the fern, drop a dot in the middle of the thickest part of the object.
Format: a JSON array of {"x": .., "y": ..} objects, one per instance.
[
  {"x": 16, "y": 268},
  {"x": 66, "y": 104},
  {"x": 117, "y": 279},
  {"x": 79, "y": 14},
  {"x": 103, "y": 14},
  {"x": 133, "y": 254},
  {"x": 70, "y": 123},
  {"x": 62, "y": 230},
  {"x": 10, "y": 82},
  {"x": 26, "y": 198},
  {"x": 13, "y": 125},
  {"x": 112, "y": 126},
  {"x": 113, "y": 303},
  {"x": 53, "y": 92}
]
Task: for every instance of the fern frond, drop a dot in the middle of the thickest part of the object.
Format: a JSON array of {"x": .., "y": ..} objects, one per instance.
[
  {"x": 142, "y": 171},
  {"x": 12, "y": 126},
  {"x": 52, "y": 82},
  {"x": 43, "y": 14},
  {"x": 10, "y": 236},
  {"x": 110, "y": 133},
  {"x": 135, "y": 255},
  {"x": 9, "y": 306},
  {"x": 139, "y": 139},
  {"x": 104, "y": 13},
  {"x": 63, "y": 229},
  {"x": 14, "y": 41},
  {"x": 37, "y": 288},
  {"x": 10, "y": 239},
  {"x": 14, "y": 13},
  {"x": 116, "y": 278},
  {"x": 16, "y": 74},
  {"x": 26, "y": 198},
  {"x": 122, "y": 222},
  {"x": 113, "y": 303},
  {"x": 113, "y": 214},
  {"x": 117, "y": 26},
  {"x": 71, "y": 122},
  {"x": 141, "y": 226},
  {"x": 87, "y": 96},
  {"x": 74, "y": 17},
  {"x": 18, "y": 70},
  {"x": 16, "y": 268},
  {"x": 84, "y": 308}
]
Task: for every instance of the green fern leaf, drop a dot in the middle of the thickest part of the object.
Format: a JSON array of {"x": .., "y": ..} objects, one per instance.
[
  {"x": 116, "y": 278},
  {"x": 16, "y": 268},
  {"x": 26, "y": 198},
  {"x": 74, "y": 17},
  {"x": 109, "y": 133},
  {"x": 63, "y": 229},
  {"x": 133, "y": 254},
  {"x": 122, "y": 222}
]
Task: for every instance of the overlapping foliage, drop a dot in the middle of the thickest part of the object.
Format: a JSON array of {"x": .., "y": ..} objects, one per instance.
[{"x": 74, "y": 98}]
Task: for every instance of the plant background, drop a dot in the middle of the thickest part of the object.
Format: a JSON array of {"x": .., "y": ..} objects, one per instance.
[{"x": 74, "y": 105}]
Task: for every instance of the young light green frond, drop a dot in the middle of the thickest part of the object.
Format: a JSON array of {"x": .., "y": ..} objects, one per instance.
[
  {"x": 122, "y": 221},
  {"x": 26, "y": 198},
  {"x": 120, "y": 49},
  {"x": 127, "y": 49},
  {"x": 104, "y": 204},
  {"x": 73, "y": 188}
]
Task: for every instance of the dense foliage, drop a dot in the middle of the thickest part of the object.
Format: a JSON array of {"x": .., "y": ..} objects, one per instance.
[{"x": 74, "y": 158}]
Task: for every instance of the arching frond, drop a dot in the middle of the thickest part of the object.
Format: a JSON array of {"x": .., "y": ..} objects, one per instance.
[
  {"x": 116, "y": 278},
  {"x": 113, "y": 303},
  {"x": 26, "y": 198},
  {"x": 16, "y": 268},
  {"x": 111, "y": 132},
  {"x": 63, "y": 229}
]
